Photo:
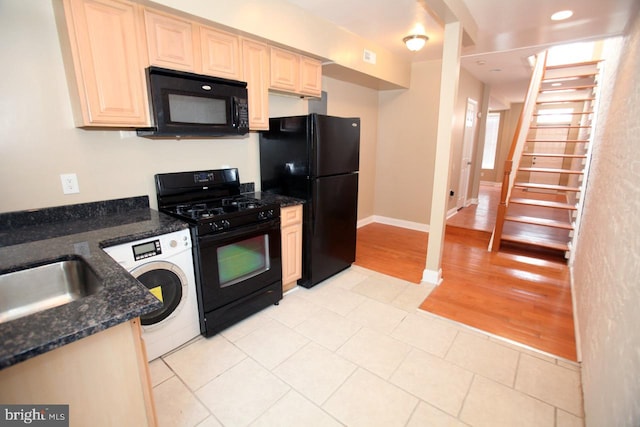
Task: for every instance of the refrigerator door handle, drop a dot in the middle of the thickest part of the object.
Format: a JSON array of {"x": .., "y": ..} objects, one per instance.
[{"x": 312, "y": 211}]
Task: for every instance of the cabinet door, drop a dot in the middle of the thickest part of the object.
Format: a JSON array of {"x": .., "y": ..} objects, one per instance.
[
  {"x": 105, "y": 46},
  {"x": 285, "y": 70},
  {"x": 291, "y": 256},
  {"x": 291, "y": 219},
  {"x": 310, "y": 76},
  {"x": 255, "y": 61},
  {"x": 220, "y": 54},
  {"x": 169, "y": 41}
]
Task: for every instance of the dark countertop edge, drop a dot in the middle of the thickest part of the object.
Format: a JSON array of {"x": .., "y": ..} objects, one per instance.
[
  {"x": 71, "y": 338},
  {"x": 26, "y": 337},
  {"x": 283, "y": 201}
]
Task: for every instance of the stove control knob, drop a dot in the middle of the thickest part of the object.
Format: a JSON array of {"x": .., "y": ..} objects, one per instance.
[
  {"x": 261, "y": 215},
  {"x": 225, "y": 223},
  {"x": 271, "y": 213},
  {"x": 213, "y": 226}
]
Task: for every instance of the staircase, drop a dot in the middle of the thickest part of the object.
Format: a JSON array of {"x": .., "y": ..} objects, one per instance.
[{"x": 545, "y": 174}]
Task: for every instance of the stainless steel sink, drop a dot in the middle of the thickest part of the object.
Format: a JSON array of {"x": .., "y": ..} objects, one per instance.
[{"x": 42, "y": 287}]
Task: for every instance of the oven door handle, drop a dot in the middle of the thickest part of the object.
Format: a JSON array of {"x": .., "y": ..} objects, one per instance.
[{"x": 238, "y": 232}]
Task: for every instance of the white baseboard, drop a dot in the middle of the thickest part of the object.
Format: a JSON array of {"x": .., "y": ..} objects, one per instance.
[
  {"x": 452, "y": 212},
  {"x": 395, "y": 222},
  {"x": 576, "y": 318}
]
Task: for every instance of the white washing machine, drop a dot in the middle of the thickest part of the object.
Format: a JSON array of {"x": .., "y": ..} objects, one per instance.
[{"x": 164, "y": 264}]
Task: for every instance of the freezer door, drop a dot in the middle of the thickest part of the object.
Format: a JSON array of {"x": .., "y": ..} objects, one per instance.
[
  {"x": 336, "y": 145},
  {"x": 330, "y": 234},
  {"x": 284, "y": 156}
]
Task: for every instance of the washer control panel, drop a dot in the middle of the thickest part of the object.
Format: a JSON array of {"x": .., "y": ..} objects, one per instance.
[{"x": 146, "y": 249}]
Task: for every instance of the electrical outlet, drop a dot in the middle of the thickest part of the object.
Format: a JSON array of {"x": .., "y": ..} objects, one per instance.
[{"x": 69, "y": 183}]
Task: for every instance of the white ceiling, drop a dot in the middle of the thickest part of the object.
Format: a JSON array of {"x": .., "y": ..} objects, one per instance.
[{"x": 508, "y": 31}]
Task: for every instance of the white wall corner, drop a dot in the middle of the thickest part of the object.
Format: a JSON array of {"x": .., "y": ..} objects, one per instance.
[
  {"x": 432, "y": 277},
  {"x": 365, "y": 221}
]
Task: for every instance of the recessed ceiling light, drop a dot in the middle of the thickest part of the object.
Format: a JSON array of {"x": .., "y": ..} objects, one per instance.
[
  {"x": 562, "y": 15},
  {"x": 481, "y": 62},
  {"x": 556, "y": 84},
  {"x": 495, "y": 70}
]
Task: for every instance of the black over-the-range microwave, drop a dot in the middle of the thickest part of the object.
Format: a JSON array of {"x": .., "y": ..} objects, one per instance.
[{"x": 187, "y": 105}]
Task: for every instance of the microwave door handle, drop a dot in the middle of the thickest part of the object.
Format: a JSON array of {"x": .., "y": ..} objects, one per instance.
[{"x": 235, "y": 111}]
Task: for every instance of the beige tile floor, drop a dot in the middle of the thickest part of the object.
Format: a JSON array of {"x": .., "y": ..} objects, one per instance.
[{"x": 356, "y": 351}]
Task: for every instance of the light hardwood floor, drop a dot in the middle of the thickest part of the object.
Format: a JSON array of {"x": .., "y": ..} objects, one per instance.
[{"x": 514, "y": 294}]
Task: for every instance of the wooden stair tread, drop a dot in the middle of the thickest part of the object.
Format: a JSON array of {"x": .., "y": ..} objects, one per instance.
[
  {"x": 537, "y": 242},
  {"x": 542, "y": 203},
  {"x": 566, "y": 88},
  {"x": 563, "y": 114},
  {"x": 567, "y": 77},
  {"x": 564, "y": 156},
  {"x": 545, "y": 186},
  {"x": 549, "y": 170},
  {"x": 573, "y": 65},
  {"x": 560, "y": 127},
  {"x": 577, "y": 141},
  {"x": 563, "y": 101},
  {"x": 540, "y": 221}
]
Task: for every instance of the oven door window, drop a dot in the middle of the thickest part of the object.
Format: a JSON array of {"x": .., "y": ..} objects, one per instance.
[
  {"x": 197, "y": 110},
  {"x": 243, "y": 260}
]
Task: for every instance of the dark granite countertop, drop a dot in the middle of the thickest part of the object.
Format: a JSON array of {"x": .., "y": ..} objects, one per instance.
[
  {"x": 42, "y": 236},
  {"x": 283, "y": 201}
]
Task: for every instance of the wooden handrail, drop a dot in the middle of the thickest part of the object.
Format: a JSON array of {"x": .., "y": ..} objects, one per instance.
[{"x": 517, "y": 144}]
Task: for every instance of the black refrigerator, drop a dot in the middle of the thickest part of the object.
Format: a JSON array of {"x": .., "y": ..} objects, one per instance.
[{"x": 316, "y": 158}]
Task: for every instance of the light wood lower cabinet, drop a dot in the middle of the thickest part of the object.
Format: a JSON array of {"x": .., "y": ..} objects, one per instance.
[
  {"x": 104, "y": 378},
  {"x": 291, "y": 230},
  {"x": 103, "y": 49}
]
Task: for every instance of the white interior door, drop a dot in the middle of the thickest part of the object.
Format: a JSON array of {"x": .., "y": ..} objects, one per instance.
[{"x": 467, "y": 152}]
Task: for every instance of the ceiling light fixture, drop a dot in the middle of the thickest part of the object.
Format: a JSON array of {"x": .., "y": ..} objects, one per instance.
[
  {"x": 415, "y": 42},
  {"x": 562, "y": 15}
]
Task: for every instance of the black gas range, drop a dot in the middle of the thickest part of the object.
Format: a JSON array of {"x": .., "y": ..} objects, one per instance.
[
  {"x": 211, "y": 200},
  {"x": 236, "y": 247}
]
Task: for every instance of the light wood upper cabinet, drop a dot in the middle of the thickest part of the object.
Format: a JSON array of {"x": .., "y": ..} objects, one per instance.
[
  {"x": 291, "y": 235},
  {"x": 310, "y": 76},
  {"x": 255, "y": 62},
  {"x": 170, "y": 41},
  {"x": 294, "y": 73},
  {"x": 220, "y": 54},
  {"x": 285, "y": 68},
  {"x": 104, "y": 58}
]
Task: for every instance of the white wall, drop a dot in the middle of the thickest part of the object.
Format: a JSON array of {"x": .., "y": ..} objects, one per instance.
[
  {"x": 407, "y": 146},
  {"x": 607, "y": 261},
  {"x": 407, "y": 143}
]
